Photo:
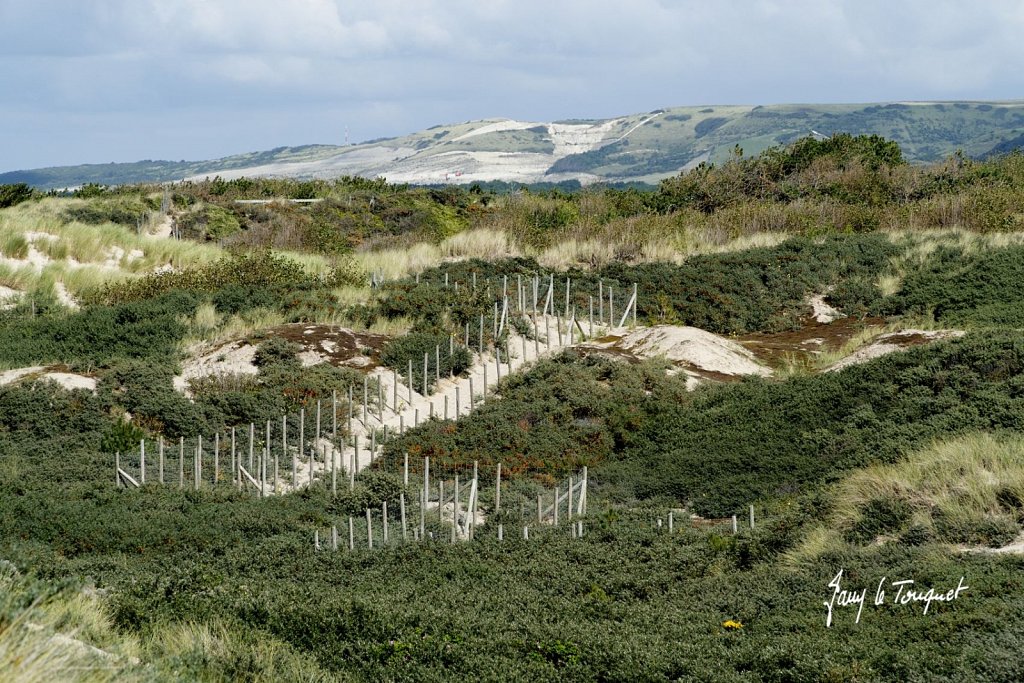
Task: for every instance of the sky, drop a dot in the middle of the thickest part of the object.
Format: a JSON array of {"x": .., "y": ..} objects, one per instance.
[{"x": 95, "y": 81}]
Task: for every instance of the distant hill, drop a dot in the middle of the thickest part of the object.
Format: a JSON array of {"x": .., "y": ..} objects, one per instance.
[{"x": 634, "y": 148}]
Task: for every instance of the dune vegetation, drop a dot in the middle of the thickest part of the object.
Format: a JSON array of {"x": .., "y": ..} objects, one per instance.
[{"x": 905, "y": 465}]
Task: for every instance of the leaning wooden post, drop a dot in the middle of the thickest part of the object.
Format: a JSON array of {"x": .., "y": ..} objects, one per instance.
[
  {"x": 142, "y": 462},
  {"x": 473, "y": 492},
  {"x": 635, "y": 303}
]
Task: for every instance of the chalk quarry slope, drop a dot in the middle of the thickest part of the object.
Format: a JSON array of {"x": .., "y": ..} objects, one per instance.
[{"x": 633, "y": 147}]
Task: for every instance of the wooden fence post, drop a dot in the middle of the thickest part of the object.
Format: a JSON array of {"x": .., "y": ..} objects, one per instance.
[
  {"x": 161, "y": 470},
  {"x": 369, "y": 529},
  {"x": 455, "y": 511},
  {"x": 401, "y": 504},
  {"x": 384, "y": 522},
  {"x": 751, "y": 516},
  {"x": 142, "y": 462}
]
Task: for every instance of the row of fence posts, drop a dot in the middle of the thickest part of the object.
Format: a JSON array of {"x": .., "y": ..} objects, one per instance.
[
  {"x": 455, "y": 522},
  {"x": 263, "y": 466},
  {"x": 716, "y": 522}
]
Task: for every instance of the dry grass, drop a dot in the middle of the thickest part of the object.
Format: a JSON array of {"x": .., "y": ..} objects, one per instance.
[
  {"x": 965, "y": 480},
  {"x": 63, "y": 637}
]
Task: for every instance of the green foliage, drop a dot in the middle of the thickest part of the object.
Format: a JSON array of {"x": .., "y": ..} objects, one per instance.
[
  {"x": 121, "y": 436},
  {"x": 123, "y": 210},
  {"x": 962, "y": 288},
  {"x": 259, "y": 269},
  {"x": 885, "y": 515},
  {"x": 13, "y": 194},
  {"x": 212, "y": 222},
  {"x": 98, "y": 334}
]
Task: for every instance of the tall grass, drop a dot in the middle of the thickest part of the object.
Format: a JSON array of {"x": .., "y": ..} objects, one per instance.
[
  {"x": 61, "y": 636},
  {"x": 967, "y": 489}
]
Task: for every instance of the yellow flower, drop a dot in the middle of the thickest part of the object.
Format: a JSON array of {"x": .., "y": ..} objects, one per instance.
[{"x": 730, "y": 624}]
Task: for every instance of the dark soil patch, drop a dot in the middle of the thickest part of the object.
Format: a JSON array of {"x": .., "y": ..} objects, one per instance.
[
  {"x": 338, "y": 345},
  {"x": 774, "y": 349}
]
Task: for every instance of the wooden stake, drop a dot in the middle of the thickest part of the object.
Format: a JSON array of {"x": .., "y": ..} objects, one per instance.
[
  {"x": 369, "y": 530},
  {"x": 161, "y": 470},
  {"x": 351, "y": 534},
  {"x": 142, "y": 462},
  {"x": 401, "y": 504},
  {"x": 384, "y": 522}
]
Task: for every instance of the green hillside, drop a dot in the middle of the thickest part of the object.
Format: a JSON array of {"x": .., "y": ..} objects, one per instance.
[{"x": 644, "y": 147}]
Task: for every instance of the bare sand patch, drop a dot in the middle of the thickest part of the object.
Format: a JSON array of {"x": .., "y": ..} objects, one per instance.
[{"x": 892, "y": 342}]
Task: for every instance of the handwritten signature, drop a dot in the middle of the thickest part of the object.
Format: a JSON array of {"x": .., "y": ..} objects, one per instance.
[{"x": 902, "y": 592}]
